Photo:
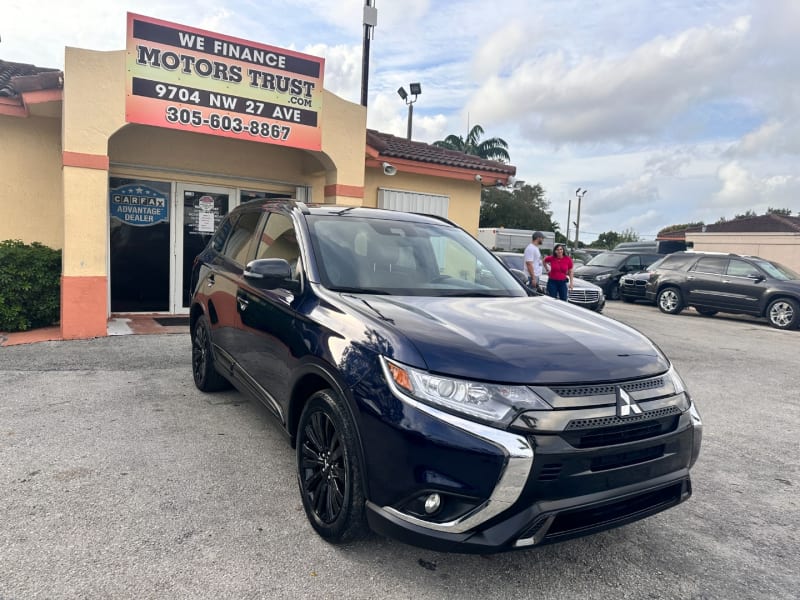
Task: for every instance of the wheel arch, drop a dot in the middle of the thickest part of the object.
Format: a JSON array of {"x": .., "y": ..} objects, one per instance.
[{"x": 777, "y": 295}]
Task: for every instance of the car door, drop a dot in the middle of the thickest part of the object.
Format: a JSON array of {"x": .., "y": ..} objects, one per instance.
[
  {"x": 222, "y": 284},
  {"x": 704, "y": 282},
  {"x": 270, "y": 342},
  {"x": 743, "y": 286}
]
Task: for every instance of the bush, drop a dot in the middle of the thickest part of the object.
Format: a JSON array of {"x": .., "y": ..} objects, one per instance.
[{"x": 30, "y": 285}]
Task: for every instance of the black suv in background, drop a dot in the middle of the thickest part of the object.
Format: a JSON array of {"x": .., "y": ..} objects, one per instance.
[
  {"x": 606, "y": 269},
  {"x": 428, "y": 393},
  {"x": 713, "y": 282}
]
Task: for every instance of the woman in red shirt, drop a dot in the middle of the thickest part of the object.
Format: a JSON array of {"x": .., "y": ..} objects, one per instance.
[{"x": 559, "y": 267}]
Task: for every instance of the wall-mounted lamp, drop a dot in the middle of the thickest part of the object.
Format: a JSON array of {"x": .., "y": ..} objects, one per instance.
[{"x": 478, "y": 177}]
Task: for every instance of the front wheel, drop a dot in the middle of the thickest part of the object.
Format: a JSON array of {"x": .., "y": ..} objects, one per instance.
[
  {"x": 783, "y": 313},
  {"x": 328, "y": 469},
  {"x": 206, "y": 377},
  {"x": 669, "y": 301}
]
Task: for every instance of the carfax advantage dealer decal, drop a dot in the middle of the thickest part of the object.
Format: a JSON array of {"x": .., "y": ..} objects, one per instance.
[{"x": 185, "y": 78}]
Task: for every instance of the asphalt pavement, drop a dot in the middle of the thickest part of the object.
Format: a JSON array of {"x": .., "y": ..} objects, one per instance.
[{"x": 118, "y": 479}]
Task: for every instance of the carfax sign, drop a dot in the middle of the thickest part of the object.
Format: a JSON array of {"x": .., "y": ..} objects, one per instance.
[
  {"x": 194, "y": 80},
  {"x": 138, "y": 205}
]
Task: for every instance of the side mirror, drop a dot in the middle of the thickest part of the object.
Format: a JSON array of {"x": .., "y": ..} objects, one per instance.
[
  {"x": 270, "y": 274},
  {"x": 756, "y": 277}
]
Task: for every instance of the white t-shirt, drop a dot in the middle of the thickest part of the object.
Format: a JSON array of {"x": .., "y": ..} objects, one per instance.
[{"x": 534, "y": 255}]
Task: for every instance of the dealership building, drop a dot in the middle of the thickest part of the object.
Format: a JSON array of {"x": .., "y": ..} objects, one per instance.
[{"x": 127, "y": 160}]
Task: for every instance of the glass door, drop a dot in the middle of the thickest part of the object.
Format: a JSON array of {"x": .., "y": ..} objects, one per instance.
[{"x": 198, "y": 211}]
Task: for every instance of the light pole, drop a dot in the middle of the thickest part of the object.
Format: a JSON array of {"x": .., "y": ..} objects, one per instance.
[
  {"x": 415, "y": 89},
  {"x": 580, "y": 194},
  {"x": 569, "y": 214}
]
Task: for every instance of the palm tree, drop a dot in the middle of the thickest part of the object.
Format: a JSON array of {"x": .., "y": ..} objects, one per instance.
[{"x": 491, "y": 149}]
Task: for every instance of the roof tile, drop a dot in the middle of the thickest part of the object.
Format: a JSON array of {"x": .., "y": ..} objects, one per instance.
[{"x": 20, "y": 77}]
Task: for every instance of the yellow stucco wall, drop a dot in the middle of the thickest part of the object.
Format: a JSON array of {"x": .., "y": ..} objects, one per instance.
[
  {"x": 31, "y": 207},
  {"x": 783, "y": 248},
  {"x": 465, "y": 196}
]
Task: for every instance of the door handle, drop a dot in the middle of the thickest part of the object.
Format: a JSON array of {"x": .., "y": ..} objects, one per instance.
[
  {"x": 726, "y": 281},
  {"x": 243, "y": 303},
  {"x": 211, "y": 280},
  {"x": 690, "y": 278}
]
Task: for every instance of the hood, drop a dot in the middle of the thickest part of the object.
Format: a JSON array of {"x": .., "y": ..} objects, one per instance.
[
  {"x": 533, "y": 340},
  {"x": 592, "y": 271}
]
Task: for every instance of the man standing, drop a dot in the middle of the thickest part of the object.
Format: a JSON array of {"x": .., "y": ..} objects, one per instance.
[{"x": 533, "y": 259}]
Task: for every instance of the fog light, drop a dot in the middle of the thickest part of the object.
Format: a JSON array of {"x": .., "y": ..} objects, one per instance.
[{"x": 432, "y": 503}]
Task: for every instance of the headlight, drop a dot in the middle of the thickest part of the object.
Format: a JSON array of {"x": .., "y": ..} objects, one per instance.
[
  {"x": 492, "y": 403},
  {"x": 677, "y": 382},
  {"x": 602, "y": 277}
]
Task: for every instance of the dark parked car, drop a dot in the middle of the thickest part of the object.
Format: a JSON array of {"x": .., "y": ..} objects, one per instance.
[
  {"x": 583, "y": 293},
  {"x": 606, "y": 269},
  {"x": 730, "y": 283},
  {"x": 428, "y": 395},
  {"x": 632, "y": 287}
]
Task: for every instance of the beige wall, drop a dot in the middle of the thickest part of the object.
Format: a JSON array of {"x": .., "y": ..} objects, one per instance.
[
  {"x": 465, "y": 196},
  {"x": 31, "y": 207},
  {"x": 780, "y": 247}
]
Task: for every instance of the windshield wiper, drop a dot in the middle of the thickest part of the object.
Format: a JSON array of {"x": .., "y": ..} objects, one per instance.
[{"x": 358, "y": 290}]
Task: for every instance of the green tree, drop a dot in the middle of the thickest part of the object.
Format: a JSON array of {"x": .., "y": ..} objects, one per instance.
[
  {"x": 609, "y": 239},
  {"x": 784, "y": 212},
  {"x": 681, "y": 227},
  {"x": 525, "y": 208},
  {"x": 746, "y": 214},
  {"x": 491, "y": 149}
]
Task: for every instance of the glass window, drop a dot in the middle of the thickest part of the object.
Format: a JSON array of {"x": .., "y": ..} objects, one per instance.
[
  {"x": 220, "y": 237},
  {"x": 776, "y": 270},
  {"x": 608, "y": 259},
  {"x": 634, "y": 262},
  {"x": 279, "y": 240},
  {"x": 711, "y": 264},
  {"x": 740, "y": 268},
  {"x": 672, "y": 262},
  {"x": 238, "y": 246}
]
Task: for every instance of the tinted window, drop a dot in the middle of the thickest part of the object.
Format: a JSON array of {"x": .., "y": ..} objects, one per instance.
[
  {"x": 711, "y": 264},
  {"x": 776, "y": 270},
  {"x": 238, "y": 246},
  {"x": 635, "y": 262},
  {"x": 740, "y": 268},
  {"x": 514, "y": 261},
  {"x": 673, "y": 262},
  {"x": 607, "y": 259},
  {"x": 279, "y": 240},
  {"x": 218, "y": 241},
  {"x": 649, "y": 259}
]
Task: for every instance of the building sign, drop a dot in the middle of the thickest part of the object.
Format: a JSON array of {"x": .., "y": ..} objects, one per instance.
[
  {"x": 138, "y": 205},
  {"x": 189, "y": 79}
]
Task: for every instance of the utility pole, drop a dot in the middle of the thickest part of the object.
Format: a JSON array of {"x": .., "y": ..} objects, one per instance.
[
  {"x": 370, "y": 22},
  {"x": 580, "y": 194},
  {"x": 569, "y": 214}
]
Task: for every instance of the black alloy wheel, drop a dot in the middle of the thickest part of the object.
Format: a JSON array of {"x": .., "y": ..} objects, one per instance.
[
  {"x": 206, "y": 377},
  {"x": 328, "y": 469},
  {"x": 670, "y": 301},
  {"x": 784, "y": 313}
]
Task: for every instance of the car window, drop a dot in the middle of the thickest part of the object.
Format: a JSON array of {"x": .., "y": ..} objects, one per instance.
[
  {"x": 673, "y": 262},
  {"x": 221, "y": 236},
  {"x": 279, "y": 240},
  {"x": 634, "y": 262},
  {"x": 607, "y": 259},
  {"x": 776, "y": 270},
  {"x": 649, "y": 259},
  {"x": 385, "y": 256},
  {"x": 711, "y": 264},
  {"x": 514, "y": 261},
  {"x": 741, "y": 268},
  {"x": 238, "y": 246}
]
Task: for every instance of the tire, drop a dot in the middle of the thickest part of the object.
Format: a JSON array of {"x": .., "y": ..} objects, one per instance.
[
  {"x": 206, "y": 377},
  {"x": 670, "y": 301},
  {"x": 783, "y": 313},
  {"x": 706, "y": 312},
  {"x": 328, "y": 469},
  {"x": 613, "y": 292}
]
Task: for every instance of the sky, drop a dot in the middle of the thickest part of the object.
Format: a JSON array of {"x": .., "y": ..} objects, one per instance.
[{"x": 665, "y": 111}]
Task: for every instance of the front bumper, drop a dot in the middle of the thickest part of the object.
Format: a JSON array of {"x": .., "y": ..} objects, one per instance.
[{"x": 526, "y": 488}]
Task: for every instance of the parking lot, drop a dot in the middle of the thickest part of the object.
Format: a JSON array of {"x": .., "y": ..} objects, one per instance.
[{"x": 119, "y": 479}]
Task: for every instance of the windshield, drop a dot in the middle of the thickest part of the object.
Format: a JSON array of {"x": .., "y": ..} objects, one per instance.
[
  {"x": 404, "y": 258},
  {"x": 777, "y": 271},
  {"x": 607, "y": 259}
]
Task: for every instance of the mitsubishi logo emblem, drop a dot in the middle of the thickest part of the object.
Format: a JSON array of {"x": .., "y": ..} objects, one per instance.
[{"x": 626, "y": 406}]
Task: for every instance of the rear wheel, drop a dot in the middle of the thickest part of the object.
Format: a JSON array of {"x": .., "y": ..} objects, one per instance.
[
  {"x": 206, "y": 377},
  {"x": 706, "y": 312},
  {"x": 783, "y": 313},
  {"x": 328, "y": 469},
  {"x": 670, "y": 300}
]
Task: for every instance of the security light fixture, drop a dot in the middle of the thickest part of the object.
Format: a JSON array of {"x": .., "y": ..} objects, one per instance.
[
  {"x": 416, "y": 88},
  {"x": 401, "y": 91}
]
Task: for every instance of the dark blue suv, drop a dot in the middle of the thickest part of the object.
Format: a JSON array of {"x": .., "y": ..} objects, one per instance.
[{"x": 429, "y": 395}]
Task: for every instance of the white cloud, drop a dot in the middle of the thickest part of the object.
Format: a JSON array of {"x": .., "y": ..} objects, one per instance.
[{"x": 342, "y": 69}]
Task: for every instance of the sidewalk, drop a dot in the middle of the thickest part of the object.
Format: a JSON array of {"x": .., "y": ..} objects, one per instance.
[{"x": 117, "y": 325}]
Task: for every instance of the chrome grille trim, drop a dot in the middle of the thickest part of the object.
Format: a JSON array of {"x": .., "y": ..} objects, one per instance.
[{"x": 602, "y": 389}]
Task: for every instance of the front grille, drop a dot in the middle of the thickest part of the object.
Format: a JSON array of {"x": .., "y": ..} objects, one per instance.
[
  {"x": 602, "y": 389},
  {"x": 580, "y": 296},
  {"x": 609, "y": 421},
  {"x": 550, "y": 472},
  {"x": 620, "y": 434},
  {"x": 573, "y": 522}
]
